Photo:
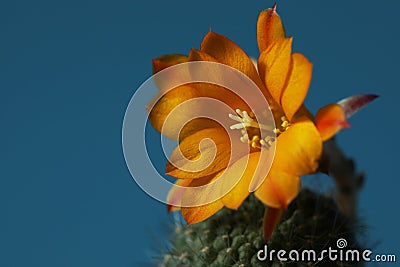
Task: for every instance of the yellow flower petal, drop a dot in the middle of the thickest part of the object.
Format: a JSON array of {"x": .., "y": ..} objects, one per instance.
[
  {"x": 202, "y": 191},
  {"x": 184, "y": 117},
  {"x": 274, "y": 66},
  {"x": 297, "y": 85},
  {"x": 297, "y": 153},
  {"x": 298, "y": 149},
  {"x": 187, "y": 162},
  {"x": 227, "y": 52},
  {"x": 172, "y": 128},
  {"x": 300, "y": 146},
  {"x": 164, "y": 81},
  {"x": 198, "y": 214},
  {"x": 278, "y": 189},
  {"x": 198, "y": 55},
  {"x": 269, "y": 28},
  {"x": 166, "y": 61},
  {"x": 192, "y": 212},
  {"x": 329, "y": 120},
  {"x": 221, "y": 94},
  {"x": 179, "y": 122},
  {"x": 246, "y": 167},
  {"x": 214, "y": 91}
]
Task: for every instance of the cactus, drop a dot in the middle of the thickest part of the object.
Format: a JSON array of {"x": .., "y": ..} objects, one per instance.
[
  {"x": 233, "y": 238},
  {"x": 313, "y": 222}
]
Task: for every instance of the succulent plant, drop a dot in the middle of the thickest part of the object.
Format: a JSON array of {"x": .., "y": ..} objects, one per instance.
[{"x": 233, "y": 238}]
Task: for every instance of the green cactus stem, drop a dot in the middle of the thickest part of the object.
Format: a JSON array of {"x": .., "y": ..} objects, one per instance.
[{"x": 233, "y": 238}]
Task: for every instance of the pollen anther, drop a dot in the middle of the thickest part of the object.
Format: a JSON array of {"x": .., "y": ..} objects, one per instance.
[{"x": 285, "y": 123}]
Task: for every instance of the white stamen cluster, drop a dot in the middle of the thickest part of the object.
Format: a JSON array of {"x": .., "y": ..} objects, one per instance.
[{"x": 245, "y": 120}]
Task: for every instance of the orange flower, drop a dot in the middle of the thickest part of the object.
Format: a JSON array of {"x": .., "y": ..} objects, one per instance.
[{"x": 283, "y": 78}]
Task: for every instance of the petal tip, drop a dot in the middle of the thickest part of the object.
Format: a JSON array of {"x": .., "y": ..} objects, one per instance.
[
  {"x": 169, "y": 208},
  {"x": 156, "y": 64},
  {"x": 354, "y": 103},
  {"x": 273, "y": 9},
  {"x": 373, "y": 96},
  {"x": 370, "y": 97},
  {"x": 345, "y": 124},
  {"x": 272, "y": 217}
]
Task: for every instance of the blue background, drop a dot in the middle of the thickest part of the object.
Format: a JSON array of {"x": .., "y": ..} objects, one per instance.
[{"x": 69, "y": 68}]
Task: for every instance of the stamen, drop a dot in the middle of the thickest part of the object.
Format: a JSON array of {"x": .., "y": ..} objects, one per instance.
[
  {"x": 267, "y": 141},
  {"x": 245, "y": 120},
  {"x": 244, "y": 138},
  {"x": 248, "y": 125},
  {"x": 237, "y": 126},
  {"x": 255, "y": 141},
  {"x": 277, "y": 131},
  {"x": 285, "y": 123},
  {"x": 234, "y": 117}
]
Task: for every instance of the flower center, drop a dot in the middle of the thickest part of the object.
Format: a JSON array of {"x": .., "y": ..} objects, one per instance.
[{"x": 251, "y": 128}]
